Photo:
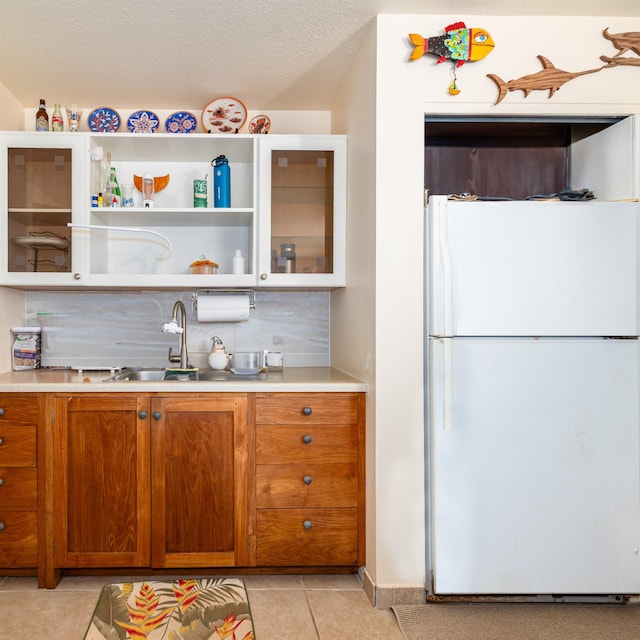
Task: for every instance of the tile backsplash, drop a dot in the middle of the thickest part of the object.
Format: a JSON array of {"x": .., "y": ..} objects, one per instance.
[{"x": 114, "y": 329}]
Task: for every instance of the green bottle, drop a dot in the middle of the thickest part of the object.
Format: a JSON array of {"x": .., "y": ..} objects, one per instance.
[{"x": 116, "y": 197}]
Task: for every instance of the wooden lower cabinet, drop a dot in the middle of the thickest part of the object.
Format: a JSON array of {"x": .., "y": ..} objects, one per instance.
[
  {"x": 201, "y": 477},
  {"x": 205, "y": 480},
  {"x": 101, "y": 481},
  {"x": 19, "y": 524},
  {"x": 310, "y": 479},
  {"x": 151, "y": 481}
]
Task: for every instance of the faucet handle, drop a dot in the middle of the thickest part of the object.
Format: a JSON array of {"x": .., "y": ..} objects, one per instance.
[{"x": 173, "y": 358}]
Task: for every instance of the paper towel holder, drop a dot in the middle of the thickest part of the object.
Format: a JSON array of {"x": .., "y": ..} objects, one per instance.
[{"x": 225, "y": 292}]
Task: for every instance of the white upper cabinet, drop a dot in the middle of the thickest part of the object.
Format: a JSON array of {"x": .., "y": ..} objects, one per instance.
[
  {"x": 302, "y": 222},
  {"x": 154, "y": 246},
  {"x": 286, "y": 215},
  {"x": 42, "y": 190}
]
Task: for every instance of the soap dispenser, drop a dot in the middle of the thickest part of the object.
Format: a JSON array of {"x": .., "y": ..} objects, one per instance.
[{"x": 218, "y": 358}]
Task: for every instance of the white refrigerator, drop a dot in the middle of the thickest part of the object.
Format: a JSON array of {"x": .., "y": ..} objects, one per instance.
[{"x": 533, "y": 397}]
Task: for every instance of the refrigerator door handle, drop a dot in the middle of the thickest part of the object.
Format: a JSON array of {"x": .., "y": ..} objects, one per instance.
[
  {"x": 443, "y": 298},
  {"x": 442, "y": 383}
]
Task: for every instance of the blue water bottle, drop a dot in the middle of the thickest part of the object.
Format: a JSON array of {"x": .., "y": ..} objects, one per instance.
[{"x": 221, "y": 182}]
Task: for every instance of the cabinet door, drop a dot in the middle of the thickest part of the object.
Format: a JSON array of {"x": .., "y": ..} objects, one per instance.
[
  {"x": 41, "y": 191},
  {"x": 302, "y": 227},
  {"x": 101, "y": 506},
  {"x": 202, "y": 478}
]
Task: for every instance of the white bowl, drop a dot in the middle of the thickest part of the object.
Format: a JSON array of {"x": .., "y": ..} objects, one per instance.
[{"x": 246, "y": 363}]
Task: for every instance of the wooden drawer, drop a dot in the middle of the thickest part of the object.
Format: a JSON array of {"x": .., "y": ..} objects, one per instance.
[
  {"x": 313, "y": 485},
  {"x": 17, "y": 445},
  {"x": 18, "y": 408},
  {"x": 290, "y": 444},
  {"x": 306, "y": 408},
  {"x": 18, "y": 539},
  {"x": 330, "y": 539},
  {"x": 18, "y": 491}
]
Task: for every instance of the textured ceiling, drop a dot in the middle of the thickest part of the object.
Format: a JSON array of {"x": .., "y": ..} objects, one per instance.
[{"x": 164, "y": 54}]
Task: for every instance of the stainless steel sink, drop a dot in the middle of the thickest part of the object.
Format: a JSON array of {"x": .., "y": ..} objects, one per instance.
[
  {"x": 172, "y": 375},
  {"x": 137, "y": 373}
]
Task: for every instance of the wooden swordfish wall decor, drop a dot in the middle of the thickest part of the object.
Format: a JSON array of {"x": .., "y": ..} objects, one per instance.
[{"x": 550, "y": 78}]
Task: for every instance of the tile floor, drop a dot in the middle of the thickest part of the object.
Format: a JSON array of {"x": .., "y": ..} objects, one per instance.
[{"x": 309, "y": 607}]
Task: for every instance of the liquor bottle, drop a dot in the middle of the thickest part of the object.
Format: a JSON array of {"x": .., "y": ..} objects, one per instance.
[
  {"x": 57, "y": 124},
  {"x": 116, "y": 196},
  {"x": 42, "y": 118}
]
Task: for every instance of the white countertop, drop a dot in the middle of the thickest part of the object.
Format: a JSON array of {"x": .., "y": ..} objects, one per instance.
[{"x": 292, "y": 379}]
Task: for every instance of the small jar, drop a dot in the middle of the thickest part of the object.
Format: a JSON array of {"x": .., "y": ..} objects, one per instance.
[{"x": 25, "y": 351}]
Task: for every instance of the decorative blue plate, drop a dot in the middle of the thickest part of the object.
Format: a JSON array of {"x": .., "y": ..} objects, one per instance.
[
  {"x": 181, "y": 122},
  {"x": 104, "y": 120},
  {"x": 143, "y": 122}
]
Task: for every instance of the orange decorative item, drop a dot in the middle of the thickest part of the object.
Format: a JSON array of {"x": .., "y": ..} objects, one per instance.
[{"x": 159, "y": 182}]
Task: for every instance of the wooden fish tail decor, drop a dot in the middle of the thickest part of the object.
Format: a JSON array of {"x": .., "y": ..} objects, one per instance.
[
  {"x": 628, "y": 41},
  {"x": 459, "y": 44}
]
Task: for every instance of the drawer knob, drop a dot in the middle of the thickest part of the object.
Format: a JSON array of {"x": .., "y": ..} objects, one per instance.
[
  {"x": 1, "y": 411},
  {"x": 1, "y": 441},
  {"x": 307, "y": 479},
  {"x": 1, "y": 482},
  {"x": 307, "y": 439},
  {"x": 157, "y": 415},
  {"x": 142, "y": 415},
  {"x": 307, "y": 524},
  {"x": 307, "y": 411},
  {"x": 1, "y": 526}
]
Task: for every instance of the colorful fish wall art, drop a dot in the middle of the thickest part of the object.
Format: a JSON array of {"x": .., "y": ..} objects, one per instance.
[
  {"x": 551, "y": 78},
  {"x": 458, "y": 44}
]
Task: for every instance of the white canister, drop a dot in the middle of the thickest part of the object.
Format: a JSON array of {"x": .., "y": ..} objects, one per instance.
[{"x": 25, "y": 351}]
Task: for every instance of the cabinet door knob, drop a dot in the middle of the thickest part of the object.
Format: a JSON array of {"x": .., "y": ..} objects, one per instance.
[
  {"x": 307, "y": 524},
  {"x": 1, "y": 411},
  {"x": 307, "y": 479},
  {"x": 1, "y": 482},
  {"x": 307, "y": 411},
  {"x": 263, "y": 276},
  {"x": 142, "y": 415},
  {"x": 156, "y": 415},
  {"x": 1, "y": 526},
  {"x": 307, "y": 439},
  {"x": 76, "y": 276},
  {"x": 1, "y": 441}
]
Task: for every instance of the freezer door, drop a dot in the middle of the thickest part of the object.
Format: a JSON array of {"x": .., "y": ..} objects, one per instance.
[
  {"x": 533, "y": 268},
  {"x": 535, "y": 466}
]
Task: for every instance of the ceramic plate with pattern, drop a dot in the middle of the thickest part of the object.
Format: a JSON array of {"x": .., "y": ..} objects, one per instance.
[
  {"x": 260, "y": 124},
  {"x": 181, "y": 122},
  {"x": 143, "y": 122},
  {"x": 224, "y": 115},
  {"x": 104, "y": 120}
]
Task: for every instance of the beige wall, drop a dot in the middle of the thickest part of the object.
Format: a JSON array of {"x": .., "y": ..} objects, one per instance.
[
  {"x": 11, "y": 300},
  {"x": 11, "y": 111},
  {"x": 353, "y": 308}
]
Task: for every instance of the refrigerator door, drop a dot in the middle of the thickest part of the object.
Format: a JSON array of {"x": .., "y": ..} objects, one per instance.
[
  {"x": 535, "y": 466},
  {"x": 533, "y": 268}
]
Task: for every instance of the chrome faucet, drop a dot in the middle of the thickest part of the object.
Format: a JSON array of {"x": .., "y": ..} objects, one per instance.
[{"x": 174, "y": 327}]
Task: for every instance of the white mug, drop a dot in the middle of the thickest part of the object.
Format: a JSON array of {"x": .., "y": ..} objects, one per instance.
[{"x": 275, "y": 360}]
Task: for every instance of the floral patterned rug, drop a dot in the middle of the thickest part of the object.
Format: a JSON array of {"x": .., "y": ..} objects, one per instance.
[{"x": 206, "y": 609}]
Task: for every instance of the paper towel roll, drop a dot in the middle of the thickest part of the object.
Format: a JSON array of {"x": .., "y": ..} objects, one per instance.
[{"x": 223, "y": 308}]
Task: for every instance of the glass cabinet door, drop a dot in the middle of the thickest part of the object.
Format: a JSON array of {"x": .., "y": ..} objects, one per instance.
[
  {"x": 41, "y": 173},
  {"x": 302, "y": 213}
]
